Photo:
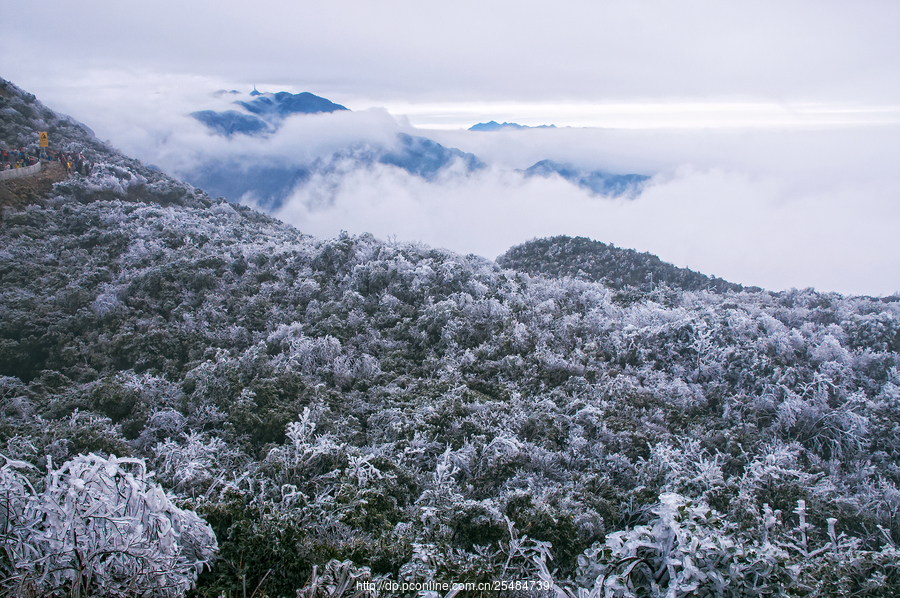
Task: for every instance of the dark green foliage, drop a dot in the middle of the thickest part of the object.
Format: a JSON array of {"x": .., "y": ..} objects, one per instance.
[{"x": 624, "y": 269}]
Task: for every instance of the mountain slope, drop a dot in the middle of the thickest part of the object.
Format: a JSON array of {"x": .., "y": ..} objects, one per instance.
[
  {"x": 113, "y": 174},
  {"x": 597, "y": 182},
  {"x": 231, "y": 122},
  {"x": 425, "y": 158},
  {"x": 355, "y": 408},
  {"x": 214, "y": 341}
]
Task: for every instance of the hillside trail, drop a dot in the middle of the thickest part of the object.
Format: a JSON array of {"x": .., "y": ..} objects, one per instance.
[{"x": 18, "y": 193}]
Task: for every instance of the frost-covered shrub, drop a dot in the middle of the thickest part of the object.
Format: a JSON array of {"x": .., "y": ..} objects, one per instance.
[
  {"x": 444, "y": 395},
  {"x": 97, "y": 526},
  {"x": 107, "y": 302},
  {"x": 197, "y": 463},
  {"x": 84, "y": 432},
  {"x": 686, "y": 550},
  {"x": 14, "y": 401}
]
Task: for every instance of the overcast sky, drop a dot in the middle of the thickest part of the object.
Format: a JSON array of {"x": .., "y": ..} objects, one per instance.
[{"x": 771, "y": 128}]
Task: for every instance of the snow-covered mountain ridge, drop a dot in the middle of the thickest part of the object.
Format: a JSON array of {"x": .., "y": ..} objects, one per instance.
[
  {"x": 615, "y": 267},
  {"x": 495, "y": 126}
]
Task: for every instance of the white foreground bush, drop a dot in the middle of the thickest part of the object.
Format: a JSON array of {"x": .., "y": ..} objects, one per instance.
[
  {"x": 97, "y": 526},
  {"x": 690, "y": 551}
]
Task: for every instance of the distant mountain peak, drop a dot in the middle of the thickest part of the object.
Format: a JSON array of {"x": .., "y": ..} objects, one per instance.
[
  {"x": 284, "y": 103},
  {"x": 495, "y": 126},
  {"x": 266, "y": 112}
]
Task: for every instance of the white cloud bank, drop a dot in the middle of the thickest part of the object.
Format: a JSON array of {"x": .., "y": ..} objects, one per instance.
[{"x": 756, "y": 229}]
